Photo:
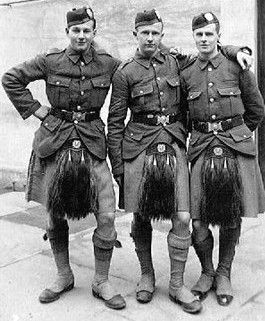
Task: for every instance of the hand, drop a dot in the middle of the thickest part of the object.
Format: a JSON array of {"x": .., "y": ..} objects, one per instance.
[
  {"x": 42, "y": 112},
  {"x": 244, "y": 60},
  {"x": 119, "y": 179}
]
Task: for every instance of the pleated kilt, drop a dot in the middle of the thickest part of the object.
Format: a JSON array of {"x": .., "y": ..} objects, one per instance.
[
  {"x": 40, "y": 171},
  {"x": 133, "y": 173},
  {"x": 253, "y": 190}
]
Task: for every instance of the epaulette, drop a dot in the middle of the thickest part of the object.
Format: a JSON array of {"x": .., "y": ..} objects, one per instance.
[
  {"x": 103, "y": 52},
  {"x": 125, "y": 63},
  {"x": 189, "y": 63},
  {"x": 54, "y": 51}
]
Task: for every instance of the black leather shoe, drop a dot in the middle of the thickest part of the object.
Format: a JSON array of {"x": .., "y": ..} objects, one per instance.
[
  {"x": 144, "y": 296},
  {"x": 224, "y": 299},
  {"x": 48, "y": 295},
  {"x": 117, "y": 302},
  {"x": 193, "y": 307},
  {"x": 200, "y": 295}
]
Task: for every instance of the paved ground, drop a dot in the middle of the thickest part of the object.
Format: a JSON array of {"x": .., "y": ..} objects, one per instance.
[{"x": 26, "y": 267}]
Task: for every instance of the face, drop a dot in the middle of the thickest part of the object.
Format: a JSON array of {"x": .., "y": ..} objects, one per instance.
[
  {"x": 149, "y": 38},
  {"x": 81, "y": 35},
  {"x": 206, "y": 39}
]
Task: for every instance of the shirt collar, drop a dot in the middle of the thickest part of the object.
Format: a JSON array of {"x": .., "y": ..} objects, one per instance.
[
  {"x": 215, "y": 61},
  {"x": 75, "y": 55},
  {"x": 146, "y": 62}
]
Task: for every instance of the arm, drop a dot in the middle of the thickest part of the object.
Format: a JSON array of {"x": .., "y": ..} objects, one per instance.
[
  {"x": 16, "y": 80},
  {"x": 184, "y": 106},
  {"x": 117, "y": 114},
  {"x": 252, "y": 100},
  {"x": 241, "y": 55}
]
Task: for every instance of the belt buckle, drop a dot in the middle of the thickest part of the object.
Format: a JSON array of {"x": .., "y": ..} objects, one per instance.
[
  {"x": 77, "y": 115},
  {"x": 163, "y": 120},
  {"x": 215, "y": 127}
]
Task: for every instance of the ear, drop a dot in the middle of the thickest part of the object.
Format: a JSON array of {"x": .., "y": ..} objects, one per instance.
[
  {"x": 162, "y": 35},
  {"x": 66, "y": 31},
  {"x": 135, "y": 33},
  {"x": 219, "y": 36},
  {"x": 94, "y": 32}
]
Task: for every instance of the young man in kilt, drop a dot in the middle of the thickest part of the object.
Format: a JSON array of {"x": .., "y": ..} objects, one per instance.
[
  {"x": 149, "y": 157},
  {"x": 225, "y": 107},
  {"x": 68, "y": 171}
]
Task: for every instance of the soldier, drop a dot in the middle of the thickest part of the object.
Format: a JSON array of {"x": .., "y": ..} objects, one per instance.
[
  {"x": 68, "y": 171},
  {"x": 149, "y": 155},
  {"x": 225, "y": 107}
]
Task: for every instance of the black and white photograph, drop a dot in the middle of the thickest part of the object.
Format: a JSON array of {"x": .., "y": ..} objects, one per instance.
[{"x": 132, "y": 160}]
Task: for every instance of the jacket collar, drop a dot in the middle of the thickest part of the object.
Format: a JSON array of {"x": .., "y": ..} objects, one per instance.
[
  {"x": 75, "y": 55},
  {"x": 146, "y": 62},
  {"x": 215, "y": 61}
]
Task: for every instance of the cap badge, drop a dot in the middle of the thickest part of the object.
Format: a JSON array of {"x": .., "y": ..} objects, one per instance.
[{"x": 208, "y": 16}]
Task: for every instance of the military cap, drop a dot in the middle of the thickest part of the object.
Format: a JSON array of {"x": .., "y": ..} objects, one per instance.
[
  {"x": 78, "y": 16},
  {"x": 203, "y": 20},
  {"x": 147, "y": 18}
]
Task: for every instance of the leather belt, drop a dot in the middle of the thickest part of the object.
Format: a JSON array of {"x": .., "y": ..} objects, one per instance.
[
  {"x": 74, "y": 116},
  {"x": 223, "y": 125},
  {"x": 155, "y": 119}
]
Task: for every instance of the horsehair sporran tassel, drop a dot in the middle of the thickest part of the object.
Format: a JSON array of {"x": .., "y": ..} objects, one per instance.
[
  {"x": 158, "y": 191},
  {"x": 221, "y": 201},
  {"x": 72, "y": 188}
]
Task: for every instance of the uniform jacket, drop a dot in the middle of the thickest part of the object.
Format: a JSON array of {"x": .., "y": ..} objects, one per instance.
[
  {"x": 73, "y": 83},
  {"x": 147, "y": 86},
  {"x": 218, "y": 89},
  {"x": 143, "y": 86}
]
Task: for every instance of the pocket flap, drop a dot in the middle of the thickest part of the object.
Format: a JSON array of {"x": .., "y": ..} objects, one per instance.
[
  {"x": 240, "y": 133},
  {"x": 229, "y": 91},
  {"x": 194, "y": 95},
  {"x": 58, "y": 81},
  {"x": 142, "y": 90},
  {"x": 51, "y": 122},
  {"x": 174, "y": 82},
  {"x": 134, "y": 136},
  {"x": 102, "y": 82}
]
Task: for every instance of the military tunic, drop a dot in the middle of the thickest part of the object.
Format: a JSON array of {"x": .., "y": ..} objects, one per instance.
[
  {"x": 217, "y": 89},
  {"x": 76, "y": 83},
  {"x": 145, "y": 86}
]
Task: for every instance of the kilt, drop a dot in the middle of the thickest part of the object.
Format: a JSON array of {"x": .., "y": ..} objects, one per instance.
[
  {"x": 133, "y": 172},
  {"x": 40, "y": 171},
  {"x": 253, "y": 190}
]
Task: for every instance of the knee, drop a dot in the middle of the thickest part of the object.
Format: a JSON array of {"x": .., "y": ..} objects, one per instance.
[
  {"x": 184, "y": 218},
  {"x": 106, "y": 219},
  {"x": 200, "y": 231}
]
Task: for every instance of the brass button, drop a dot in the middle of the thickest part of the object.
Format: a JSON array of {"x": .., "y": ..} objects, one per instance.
[
  {"x": 57, "y": 82},
  {"x": 83, "y": 77},
  {"x": 154, "y": 64},
  {"x": 211, "y": 100},
  {"x": 163, "y": 109},
  {"x": 82, "y": 93},
  {"x": 210, "y": 84},
  {"x": 76, "y": 121},
  {"x": 213, "y": 117},
  {"x": 210, "y": 69},
  {"x": 82, "y": 63},
  {"x": 78, "y": 107},
  {"x": 158, "y": 78},
  {"x": 141, "y": 92},
  {"x": 161, "y": 93}
]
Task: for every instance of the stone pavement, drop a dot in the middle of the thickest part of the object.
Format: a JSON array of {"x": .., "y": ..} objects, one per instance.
[{"x": 26, "y": 267}]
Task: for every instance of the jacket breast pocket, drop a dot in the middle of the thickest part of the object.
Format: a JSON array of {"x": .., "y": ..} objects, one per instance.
[
  {"x": 133, "y": 137},
  {"x": 101, "y": 85},
  {"x": 193, "y": 100},
  {"x": 140, "y": 93},
  {"x": 58, "y": 90},
  {"x": 174, "y": 88},
  {"x": 230, "y": 101}
]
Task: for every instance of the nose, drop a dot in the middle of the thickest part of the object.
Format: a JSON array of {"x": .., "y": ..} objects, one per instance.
[
  {"x": 150, "y": 37},
  {"x": 204, "y": 38},
  {"x": 81, "y": 34}
]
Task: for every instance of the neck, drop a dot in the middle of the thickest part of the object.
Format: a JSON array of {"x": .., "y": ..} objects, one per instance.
[
  {"x": 146, "y": 55},
  {"x": 208, "y": 56}
]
